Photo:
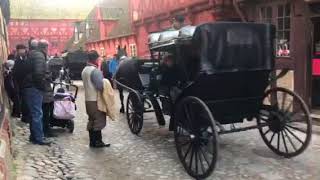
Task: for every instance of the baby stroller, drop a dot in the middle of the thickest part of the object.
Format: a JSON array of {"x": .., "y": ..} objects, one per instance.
[{"x": 64, "y": 106}]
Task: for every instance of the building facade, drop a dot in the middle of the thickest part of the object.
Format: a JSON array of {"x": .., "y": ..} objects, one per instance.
[
  {"x": 57, "y": 32},
  {"x": 146, "y": 16},
  {"x": 297, "y": 32},
  {"x": 297, "y": 41},
  {"x": 50, "y": 20}
]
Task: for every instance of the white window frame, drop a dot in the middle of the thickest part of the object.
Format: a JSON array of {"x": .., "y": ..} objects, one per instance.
[{"x": 133, "y": 50}]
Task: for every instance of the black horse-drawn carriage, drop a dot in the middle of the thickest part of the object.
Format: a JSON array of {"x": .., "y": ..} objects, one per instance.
[
  {"x": 55, "y": 65},
  {"x": 221, "y": 77},
  {"x": 74, "y": 62}
]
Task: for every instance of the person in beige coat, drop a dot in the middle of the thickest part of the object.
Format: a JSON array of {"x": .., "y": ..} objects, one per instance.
[{"x": 93, "y": 85}]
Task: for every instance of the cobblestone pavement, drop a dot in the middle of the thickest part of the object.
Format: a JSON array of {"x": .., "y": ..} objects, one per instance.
[{"x": 152, "y": 155}]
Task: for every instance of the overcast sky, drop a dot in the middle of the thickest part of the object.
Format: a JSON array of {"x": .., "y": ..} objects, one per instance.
[
  {"x": 51, "y": 9},
  {"x": 70, "y": 3}
]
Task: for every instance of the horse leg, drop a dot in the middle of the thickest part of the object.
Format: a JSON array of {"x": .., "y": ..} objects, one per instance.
[{"x": 121, "y": 100}]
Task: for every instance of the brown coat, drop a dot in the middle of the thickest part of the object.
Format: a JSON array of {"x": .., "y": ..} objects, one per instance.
[{"x": 106, "y": 100}]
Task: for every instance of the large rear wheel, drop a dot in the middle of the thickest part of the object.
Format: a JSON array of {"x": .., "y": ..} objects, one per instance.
[
  {"x": 135, "y": 109},
  {"x": 288, "y": 127},
  {"x": 195, "y": 137}
]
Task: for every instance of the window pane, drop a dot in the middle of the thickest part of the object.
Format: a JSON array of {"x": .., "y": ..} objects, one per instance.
[
  {"x": 269, "y": 12},
  {"x": 287, "y": 23},
  {"x": 280, "y": 35},
  {"x": 280, "y": 24},
  {"x": 287, "y": 35},
  {"x": 288, "y": 9},
  {"x": 280, "y": 11},
  {"x": 262, "y": 14}
]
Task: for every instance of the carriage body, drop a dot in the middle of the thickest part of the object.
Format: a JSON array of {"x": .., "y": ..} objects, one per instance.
[
  {"x": 74, "y": 62},
  {"x": 227, "y": 65},
  {"x": 221, "y": 76},
  {"x": 55, "y": 64}
]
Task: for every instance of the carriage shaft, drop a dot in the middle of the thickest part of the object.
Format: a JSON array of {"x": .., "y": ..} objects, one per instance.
[{"x": 242, "y": 129}]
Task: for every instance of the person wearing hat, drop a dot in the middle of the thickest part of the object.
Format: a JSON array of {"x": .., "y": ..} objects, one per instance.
[
  {"x": 92, "y": 79},
  {"x": 18, "y": 74},
  {"x": 178, "y": 22}
]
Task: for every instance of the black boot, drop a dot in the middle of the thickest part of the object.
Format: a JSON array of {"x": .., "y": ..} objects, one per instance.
[
  {"x": 99, "y": 143},
  {"x": 92, "y": 139},
  {"x": 122, "y": 109}
]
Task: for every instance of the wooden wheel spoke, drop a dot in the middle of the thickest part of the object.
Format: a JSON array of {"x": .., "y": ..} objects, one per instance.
[
  {"x": 188, "y": 150},
  {"x": 295, "y": 136},
  {"x": 290, "y": 140},
  {"x": 201, "y": 162},
  {"x": 296, "y": 128},
  {"x": 130, "y": 105},
  {"x": 188, "y": 117},
  {"x": 191, "y": 158},
  {"x": 196, "y": 158},
  {"x": 270, "y": 142},
  {"x": 206, "y": 149},
  {"x": 265, "y": 133},
  {"x": 278, "y": 142},
  {"x": 284, "y": 142},
  {"x": 204, "y": 156}
]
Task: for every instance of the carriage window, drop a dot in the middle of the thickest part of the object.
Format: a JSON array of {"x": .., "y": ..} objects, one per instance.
[{"x": 283, "y": 30}]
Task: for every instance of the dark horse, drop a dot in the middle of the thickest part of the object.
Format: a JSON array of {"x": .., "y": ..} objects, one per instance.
[{"x": 128, "y": 75}]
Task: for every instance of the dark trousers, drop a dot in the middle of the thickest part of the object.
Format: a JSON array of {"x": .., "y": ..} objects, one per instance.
[
  {"x": 25, "y": 115},
  {"x": 16, "y": 105},
  {"x": 47, "y": 109}
]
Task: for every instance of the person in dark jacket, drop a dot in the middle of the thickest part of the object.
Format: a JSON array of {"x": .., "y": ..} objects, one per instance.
[
  {"x": 47, "y": 106},
  {"x": 34, "y": 86},
  {"x": 10, "y": 86},
  {"x": 21, "y": 64}
]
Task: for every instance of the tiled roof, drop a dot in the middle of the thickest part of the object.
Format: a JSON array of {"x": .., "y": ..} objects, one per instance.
[{"x": 110, "y": 10}]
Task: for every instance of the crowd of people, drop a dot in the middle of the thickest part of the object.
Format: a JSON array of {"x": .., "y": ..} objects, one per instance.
[{"x": 28, "y": 85}]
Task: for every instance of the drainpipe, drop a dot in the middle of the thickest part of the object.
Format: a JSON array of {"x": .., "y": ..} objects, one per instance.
[{"x": 238, "y": 10}]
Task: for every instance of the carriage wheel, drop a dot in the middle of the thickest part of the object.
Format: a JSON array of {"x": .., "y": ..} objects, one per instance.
[
  {"x": 135, "y": 113},
  {"x": 195, "y": 137},
  {"x": 288, "y": 131}
]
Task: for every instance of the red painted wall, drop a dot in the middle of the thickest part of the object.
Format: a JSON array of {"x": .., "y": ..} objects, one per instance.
[
  {"x": 141, "y": 9},
  {"x": 148, "y": 8},
  {"x": 111, "y": 45},
  {"x": 57, "y": 32}
]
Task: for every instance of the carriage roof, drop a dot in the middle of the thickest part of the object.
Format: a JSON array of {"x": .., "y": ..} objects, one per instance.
[
  {"x": 165, "y": 40},
  {"x": 222, "y": 46}
]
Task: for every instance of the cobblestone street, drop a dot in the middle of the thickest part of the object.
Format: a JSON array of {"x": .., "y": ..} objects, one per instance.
[{"x": 152, "y": 155}]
